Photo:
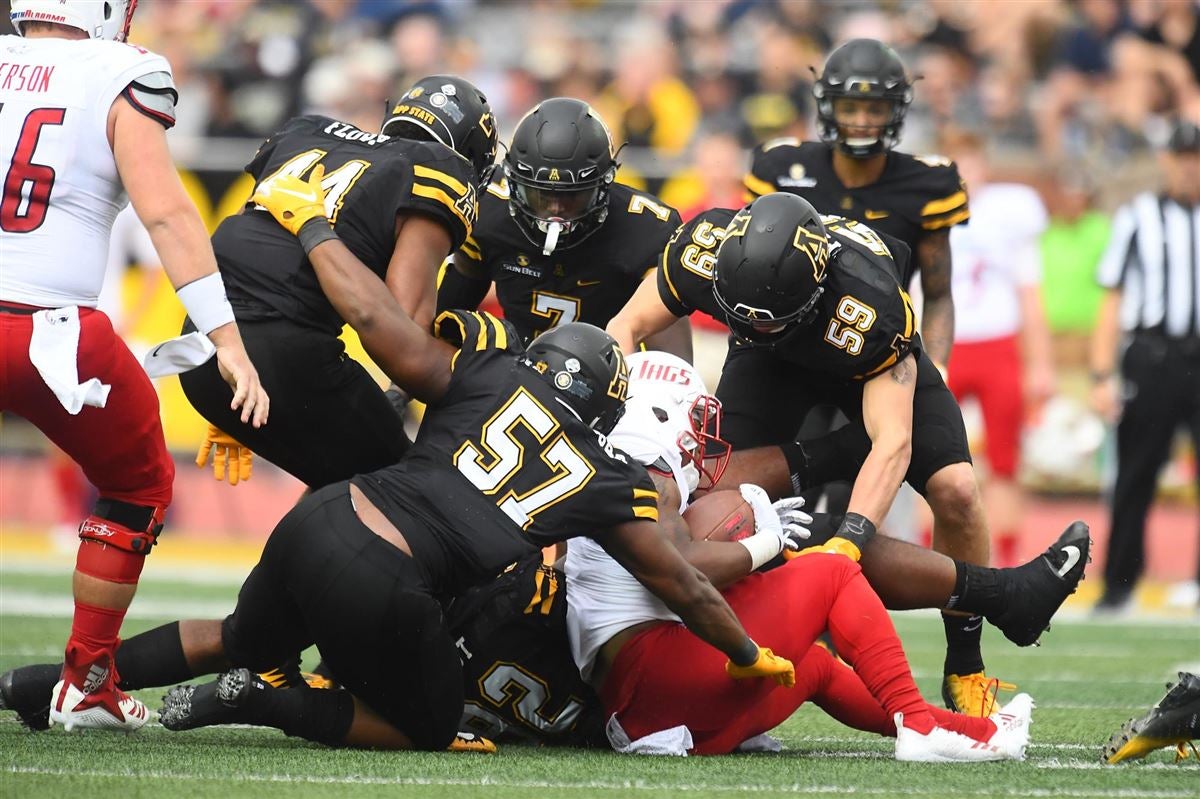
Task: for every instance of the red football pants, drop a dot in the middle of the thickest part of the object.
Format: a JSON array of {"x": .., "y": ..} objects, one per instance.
[
  {"x": 120, "y": 447},
  {"x": 991, "y": 372},
  {"x": 666, "y": 676}
]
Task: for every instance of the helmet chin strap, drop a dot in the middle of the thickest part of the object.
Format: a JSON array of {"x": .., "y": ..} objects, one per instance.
[{"x": 553, "y": 229}]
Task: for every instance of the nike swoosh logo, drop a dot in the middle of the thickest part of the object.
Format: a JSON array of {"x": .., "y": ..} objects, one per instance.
[
  {"x": 973, "y": 627},
  {"x": 582, "y": 283},
  {"x": 877, "y": 214},
  {"x": 154, "y": 352},
  {"x": 1072, "y": 558}
]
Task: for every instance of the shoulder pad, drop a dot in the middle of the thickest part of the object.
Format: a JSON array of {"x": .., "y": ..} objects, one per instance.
[
  {"x": 499, "y": 189},
  {"x": 155, "y": 96},
  {"x": 475, "y": 331},
  {"x": 643, "y": 204}
]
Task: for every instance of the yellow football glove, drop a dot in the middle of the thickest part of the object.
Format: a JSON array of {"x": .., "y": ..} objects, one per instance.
[
  {"x": 834, "y": 546},
  {"x": 768, "y": 664},
  {"x": 293, "y": 201},
  {"x": 226, "y": 451}
]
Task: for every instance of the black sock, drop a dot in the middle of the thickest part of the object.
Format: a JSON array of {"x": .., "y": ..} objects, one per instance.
[
  {"x": 963, "y": 634},
  {"x": 317, "y": 715},
  {"x": 977, "y": 589},
  {"x": 152, "y": 659}
]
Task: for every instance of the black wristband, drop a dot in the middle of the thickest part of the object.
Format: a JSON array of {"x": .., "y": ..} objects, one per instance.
[
  {"x": 746, "y": 655},
  {"x": 315, "y": 231},
  {"x": 857, "y": 529}
]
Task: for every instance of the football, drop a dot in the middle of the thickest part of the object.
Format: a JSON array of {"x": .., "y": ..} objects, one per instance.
[{"x": 720, "y": 516}]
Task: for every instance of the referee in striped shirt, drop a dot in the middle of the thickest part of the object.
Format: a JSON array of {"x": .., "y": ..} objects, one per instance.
[{"x": 1152, "y": 273}]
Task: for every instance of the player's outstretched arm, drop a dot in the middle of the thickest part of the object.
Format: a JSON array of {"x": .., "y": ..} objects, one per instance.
[
  {"x": 411, "y": 357},
  {"x": 643, "y": 316},
  {"x": 644, "y": 551},
  {"x": 887, "y": 415},
  {"x": 147, "y": 172}
]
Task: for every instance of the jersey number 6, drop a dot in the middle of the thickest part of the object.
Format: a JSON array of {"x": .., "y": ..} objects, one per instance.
[{"x": 22, "y": 171}]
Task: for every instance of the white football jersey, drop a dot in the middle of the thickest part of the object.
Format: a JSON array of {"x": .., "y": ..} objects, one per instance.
[
  {"x": 61, "y": 190},
  {"x": 602, "y": 597},
  {"x": 996, "y": 254}
]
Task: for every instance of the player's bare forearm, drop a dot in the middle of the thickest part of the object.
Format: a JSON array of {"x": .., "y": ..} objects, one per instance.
[
  {"x": 645, "y": 552},
  {"x": 643, "y": 316},
  {"x": 937, "y": 317},
  {"x": 722, "y": 562},
  {"x": 676, "y": 339},
  {"x": 408, "y": 355},
  {"x": 763, "y": 466},
  {"x": 421, "y": 246},
  {"x": 887, "y": 415}
]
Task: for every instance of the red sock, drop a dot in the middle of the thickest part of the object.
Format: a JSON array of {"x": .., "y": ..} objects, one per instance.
[
  {"x": 843, "y": 696},
  {"x": 970, "y": 726},
  {"x": 864, "y": 635},
  {"x": 95, "y": 634}
]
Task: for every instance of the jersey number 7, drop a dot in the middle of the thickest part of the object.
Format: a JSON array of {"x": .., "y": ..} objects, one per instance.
[{"x": 17, "y": 213}]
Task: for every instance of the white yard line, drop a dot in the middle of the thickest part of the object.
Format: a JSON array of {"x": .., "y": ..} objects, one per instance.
[{"x": 598, "y": 785}]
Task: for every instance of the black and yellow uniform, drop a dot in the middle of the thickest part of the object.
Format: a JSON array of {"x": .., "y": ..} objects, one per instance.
[
  {"x": 500, "y": 469},
  {"x": 914, "y": 195},
  {"x": 588, "y": 282},
  {"x": 329, "y": 419},
  {"x": 520, "y": 680},
  {"x": 864, "y": 325}
]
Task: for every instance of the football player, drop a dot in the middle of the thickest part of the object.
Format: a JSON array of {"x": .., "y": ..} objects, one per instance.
[
  {"x": 819, "y": 318},
  {"x": 560, "y": 239},
  {"x": 863, "y": 94},
  {"x": 619, "y": 634},
  {"x": 401, "y": 200},
  {"x": 83, "y": 132}
]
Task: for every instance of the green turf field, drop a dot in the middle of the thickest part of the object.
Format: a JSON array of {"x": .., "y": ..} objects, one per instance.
[{"x": 1087, "y": 679}]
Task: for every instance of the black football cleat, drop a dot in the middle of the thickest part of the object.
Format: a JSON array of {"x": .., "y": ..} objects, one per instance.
[
  {"x": 1036, "y": 590},
  {"x": 26, "y": 691},
  {"x": 1174, "y": 721},
  {"x": 188, "y": 707}
]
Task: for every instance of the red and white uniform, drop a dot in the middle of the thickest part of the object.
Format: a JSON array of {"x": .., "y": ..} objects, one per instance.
[
  {"x": 60, "y": 195},
  {"x": 665, "y": 677},
  {"x": 996, "y": 255}
]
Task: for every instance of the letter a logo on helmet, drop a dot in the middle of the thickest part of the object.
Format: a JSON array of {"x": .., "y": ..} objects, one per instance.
[{"x": 816, "y": 247}]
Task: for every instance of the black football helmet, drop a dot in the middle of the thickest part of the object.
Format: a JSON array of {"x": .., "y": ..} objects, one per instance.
[
  {"x": 559, "y": 168},
  {"x": 585, "y": 365},
  {"x": 770, "y": 267},
  {"x": 862, "y": 69},
  {"x": 452, "y": 111}
]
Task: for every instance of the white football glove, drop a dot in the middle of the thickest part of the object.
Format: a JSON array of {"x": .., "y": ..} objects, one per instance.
[
  {"x": 794, "y": 521},
  {"x": 770, "y": 538}
]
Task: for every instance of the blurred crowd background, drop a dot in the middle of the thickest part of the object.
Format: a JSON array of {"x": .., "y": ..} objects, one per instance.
[{"x": 1071, "y": 97}]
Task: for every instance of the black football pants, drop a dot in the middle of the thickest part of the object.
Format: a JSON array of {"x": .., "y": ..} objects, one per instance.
[
  {"x": 329, "y": 419},
  {"x": 324, "y": 578},
  {"x": 1161, "y": 379}
]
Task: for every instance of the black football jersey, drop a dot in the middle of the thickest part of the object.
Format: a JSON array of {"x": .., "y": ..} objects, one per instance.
[
  {"x": 865, "y": 321},
  {"x": 501, "y": 467},
  {"x": 914, "y": 195},
  {"x": 589, "y": 282},
  {"x": 369, "y": 179},
  {"x": 520, "y": 679}
]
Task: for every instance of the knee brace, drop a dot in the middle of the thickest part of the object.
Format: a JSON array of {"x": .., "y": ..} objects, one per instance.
[{"x": 123, "y": 528}]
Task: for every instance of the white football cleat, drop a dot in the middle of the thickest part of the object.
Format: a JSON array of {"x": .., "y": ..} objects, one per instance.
[
  {"x": 110, "y": 709},
  {"x": 941, "y": 746},
  {"x": 1012, "y": 726}
]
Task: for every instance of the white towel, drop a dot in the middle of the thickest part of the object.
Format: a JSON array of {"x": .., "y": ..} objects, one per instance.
[
  {"x": 54, "y": 352},
  {"x": 676, "y": 741},
  {"x": 178, "y": 354},
  {"x": 761, "y": 743}
]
